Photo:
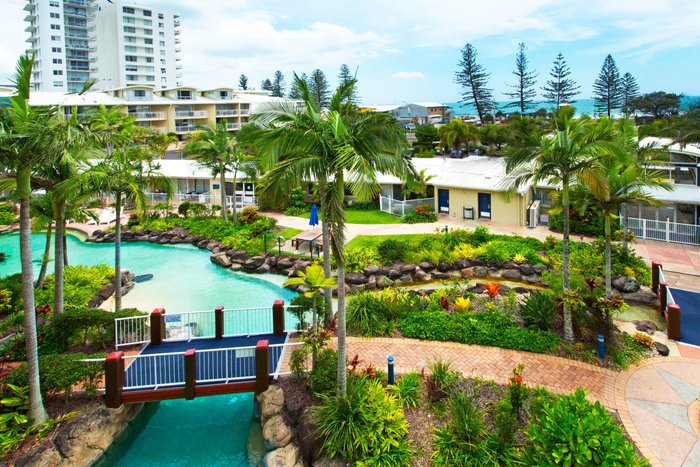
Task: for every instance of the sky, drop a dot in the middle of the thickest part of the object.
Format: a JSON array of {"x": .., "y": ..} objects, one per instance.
[{"x": 409, "y": 50}]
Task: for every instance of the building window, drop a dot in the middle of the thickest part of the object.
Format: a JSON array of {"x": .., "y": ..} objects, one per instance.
[
  {"x": 56, "y": 50},
  {"x": 130, "y": 58},
  {"x": 55, "y": 38},
  {"x": 128, "y": 10},
  {"x": 129, "y": 48},
  {"x": 147, "y": 13},
  {"x": 131, "y": 68},
  {"x": 128, "y": 20},
  {"x": 132, "y": 77},
  {"x": 56, "y": 27},
  {"x": 130, "y": 39},
  {"x": 130, "y": 29},
  {"x": 161, "y": 43},
  {"x": 160, "y": 15},
  {"x": 148, "y": 41},
  {"x": 162, "y": 61},
  {"x": 54, "y": 15},
  {"x": 57, "y": 61},
  {"x": 147, "y": 22},
  {"x": 149, "y": 59},
  {"x": 148, "y": 32},
  {"x": 150, "y": 78},
  {"x": 162, "y": 71},
  {"x": 162, "y": 52},
  {"x": 53, "y": 4},
  {"x": 161, "y": 34},
  {"x": 58, "y": 84},
  {"x": 58, "y": 72},
  {"x": 149, "y": 50},
  {"x": 161, "y": 25}
]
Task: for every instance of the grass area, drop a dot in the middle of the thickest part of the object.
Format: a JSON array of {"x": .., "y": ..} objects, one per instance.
[
  {"x": 371, "y": 241},
  {"x": 289, "y": 232},
  {"x": 362, "y": 216}
]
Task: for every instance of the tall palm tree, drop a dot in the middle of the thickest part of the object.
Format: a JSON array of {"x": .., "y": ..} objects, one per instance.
[
  {"x": 217, "y": 149},
  {"x": 300, "y": 145},
  {"x": 570, "y": 154},
  {"x": 42, "y": 217},
  {"x": 125, "y": 174},
  {"x": 315, "y": 280},
  {"x": 457, "y": 133},
  {"x": 24, "y": 136}
]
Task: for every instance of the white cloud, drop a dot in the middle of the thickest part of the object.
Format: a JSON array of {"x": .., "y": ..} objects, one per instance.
[
  {"x": 408, "y": 75},
  {"x": 13, "y": 37}
]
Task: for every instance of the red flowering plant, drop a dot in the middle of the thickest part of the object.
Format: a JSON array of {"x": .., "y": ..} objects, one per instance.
[
  {"x": 516, "y": 390},
  {"x": 359, "y": 369},
  {"x": 492, "y": 289}
]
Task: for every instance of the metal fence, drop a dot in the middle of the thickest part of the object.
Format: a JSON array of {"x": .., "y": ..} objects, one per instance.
[
  {"x": 132, "y": 330},
  {"x": 224, "y": 365},
  {"x": 401, "y": 207},
  {"x": 189, "y": 325},
  {"x": 242, "y": 200},
  {"x": 154, "y": 371},
  {"x": 664, "y": 230}
]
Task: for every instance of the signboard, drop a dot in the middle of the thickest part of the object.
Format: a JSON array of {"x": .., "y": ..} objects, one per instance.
[{"x": 215, "y": 186}]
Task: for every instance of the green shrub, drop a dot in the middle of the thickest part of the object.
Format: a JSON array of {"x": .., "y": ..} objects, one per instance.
[
  {"x": 441, "y": 380},
  {"x": 408, "y": 389},
  {"x": 357, "y": 258},
  {"x": 198, "y": 209},
  {"x": 60, "y": 373},
  {"x": 498, "y": 251},
  {"x": 392, "y": 250},
  {"x": 505, "y": 422},
  {"x": 573, "y": 431},
  {"x": 423, "y": 214},
  {"x": 81, "y": 283},
  {"x": 298, "y": 362},
  {"x": 481, "y": 328},
  {"x": 365, "y": 425},
  {"x": 323, "y": 378},
  {"x": 297, "y": 204},
  {"x": 481, "y": 235},
  {"x": 367, "y": 314},
  {"x": 7, "y": 218},
  {"x": 539, "y": 310},
  {"x": 590, "y": 223},
  {"x": 184, "y": 208}
]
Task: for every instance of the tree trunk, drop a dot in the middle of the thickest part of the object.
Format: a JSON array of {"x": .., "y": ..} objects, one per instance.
[
  {"x": 625, "y": 223},
  {"x": 59, "y": 208},
  {"x": 65, "y": 245},
  {"x": 342, "y": 343},
  {"x": 222, "y": 181},
  {"x": 314, "y": 353},
  {"x": 117, "y": 257},
  {"x": 608, "y": 257},
  {"x": 327, "y": 291},
  {"x": 568, "y": 325},
  {"x": 36, "y": 414},
  {"x": 233, "y": 208},
  {"x": 45, "y": 259}
]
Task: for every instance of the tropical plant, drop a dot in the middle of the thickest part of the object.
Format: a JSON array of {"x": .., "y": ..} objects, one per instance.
[
  {"x": 217, "y": 149},
  {"x": 367, "y": 314},
  {"x": 492, "y": 289},
  {"x": 441, "y": 380},
  {"x": 572, "y": 154},
  {"x": 474, "y": 80},
  {"x": 296, "y": 145},
  {"x": 539, "y": 310},
  {"x": 408, "y": 389},
  {"x": 322, "y": 377},
  {"x": 392, "y": 250},
  {"x": 560, "y": 89},
  {"x": 457, "y": 133},
  {"x": 462, "y": 304},
  {"x": 25, "y": 135}
]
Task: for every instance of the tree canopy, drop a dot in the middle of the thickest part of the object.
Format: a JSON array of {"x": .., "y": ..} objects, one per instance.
[
  {"x": 560, "y": 89},
  {"x": 607, "y": 89},
  {"x": 474, "y": 81},
  {"x": 524, "y": 88}
]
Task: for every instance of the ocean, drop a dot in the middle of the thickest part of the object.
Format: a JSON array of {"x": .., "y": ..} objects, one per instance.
[{"x": 583, "y": 106}]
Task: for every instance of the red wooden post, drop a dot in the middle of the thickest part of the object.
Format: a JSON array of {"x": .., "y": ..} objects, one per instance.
[
  {"x": 190, "y": 373},
  {"x": 673, "y": 322},
  {"x": 157, "y": 326},
  {"x": 114, "y": 379},
  {"x": 278, "y": 318},
  {"x": 655, "y": 270},
  {"x": 219, "y": 320},
  {"x": 663, "y": 297},
  {"x": 262, "y": 366}
]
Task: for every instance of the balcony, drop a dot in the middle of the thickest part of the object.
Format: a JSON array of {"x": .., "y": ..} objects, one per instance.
[
  {"x": 245, "y": 111},
  {"x": 233, "y": 126},
  {"x": 83, "y": 3},
  {"x": 191, "y": 114},
  {"x": 30, "y": 6},
  {"x": 226, "y": 112},
  {"x": 178, "y": 40},
  {"x": 148, "y": 115},
  {"x": 176, "y": 23},
  {"x": 78, "y": 68},
  {"x": 185, "y": 128}
]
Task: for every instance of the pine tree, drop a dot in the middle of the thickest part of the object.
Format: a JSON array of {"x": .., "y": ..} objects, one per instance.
[
  {"x": 318, "y": 86},
  {"x": 266, "y": 85},
  {"x": 243, "y": 82},
  {"x": 344, "y": 76},
  {"x": 525, "y": 86},
  {"x": 629, "y": 92},
  {"x": 560, "y": 89},
  {"x": 278, "y": 84},
  {"x": 473, "y": 79},
  {"x": 294, "y": 92},
  {"x": 607, "y": 92}
]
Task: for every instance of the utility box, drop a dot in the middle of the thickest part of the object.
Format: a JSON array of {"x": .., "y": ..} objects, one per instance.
[
  {"x": 534, "y": 214},
  {"x": 468, "y": 213}
]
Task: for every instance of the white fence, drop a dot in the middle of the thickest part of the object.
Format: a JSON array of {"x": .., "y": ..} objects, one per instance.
[
  {"x": 154, "y": 371},
  {"x": 132, "y": 330},
  {"x": 401, "y": 207},
  {"x": 669, "y": 296},
  {"x": 242, "y": 200},
  {"x": 664, "y": 230}
]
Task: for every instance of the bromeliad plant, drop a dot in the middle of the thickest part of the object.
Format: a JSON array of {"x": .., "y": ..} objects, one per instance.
[{"x": 492, "y": 289}]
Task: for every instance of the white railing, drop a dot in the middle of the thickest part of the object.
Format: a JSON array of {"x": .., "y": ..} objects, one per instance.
[
  {"x": 232, "y": 126},
  {"x": 242, "y": 201},
  {"x": 148, "y": 115},
  {"x": 132, "y": 330},
  {"x": 281, "y": 354},
  {"x": 191, "y": 113},
  {"x": 226, "y": 113},
  {"x": 224, "y": 365},
  {"x": 189, "y": 325},
  {"x": 669, "y": 296},
  {"x": 185, "y": 128},
  {"x": 203, "y": 198},
  {"x": 154, "y": 370},
  {"x": 401, "y": 207},
  {"x": 664, "y": 230}
]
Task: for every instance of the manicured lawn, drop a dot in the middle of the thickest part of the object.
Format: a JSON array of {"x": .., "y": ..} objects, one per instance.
[
  {"x": 375, "y": 216},
  {"x": 289, "y": 232},
  {"x": 371, "y": 241}
]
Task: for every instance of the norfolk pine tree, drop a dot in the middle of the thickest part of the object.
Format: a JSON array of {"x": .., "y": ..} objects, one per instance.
[
  {"x": 243, "y": 82},
  {"x": 524, "y": 92},
  {"x": 629, "y": 92},
  {"x": 473, "y": 78},
  {"x": 560, "y": 89},
  {"x": 278, "y": 84},
  {"x": 607, "y": 95}
]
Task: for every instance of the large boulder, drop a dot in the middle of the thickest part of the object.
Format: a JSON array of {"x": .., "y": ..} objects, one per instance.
[
  {"x": 372, "y": 269},
  {"x": 407, "y": 268},
  {"x": 444, "y": 267},
  {"x": 461, "y": 264},
  {"x": 427, "y": 266},
  {"x": 254, "y": 262},
  {"x": 644, "y": 296},
  {"x": 237, "y": 254},
  {"x": 480, "y": 271},
  {"x": 355, "y": 278},
  {"x": 276, "y": 432},
  {"x": 526, "y": 270},
  {"x": 326, "y": 462},
  {"x": 383, "y": 282},
  {"x": 287, "y": 456},
  {"x": 271, "y": 403},
  {"x": 405, "y": 279},
  {"x": 626, "y": 284},
  {"x": 645, "y": 326},
  {"x": 422, "y": 276},
  {"x": 441, "y": 275},
  {"x": 285, "y": 262},
  {"x": 511, "y": 274},
  {"x": 221, "y": 259}
]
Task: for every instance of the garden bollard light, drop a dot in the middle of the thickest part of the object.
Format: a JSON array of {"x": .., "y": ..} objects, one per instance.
[
  {"x": 601, "y": 345},
  {"x": 390, "y": 372},
  {"x": 447, "y": 229}
]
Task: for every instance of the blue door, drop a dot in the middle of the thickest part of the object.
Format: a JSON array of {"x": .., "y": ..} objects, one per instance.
[
  {"x": 443, "y": 201},
  {"x": 485, "y": 205}
]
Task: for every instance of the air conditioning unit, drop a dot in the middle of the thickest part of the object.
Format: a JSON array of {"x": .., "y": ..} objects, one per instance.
[{"x": 533, "y": 214}]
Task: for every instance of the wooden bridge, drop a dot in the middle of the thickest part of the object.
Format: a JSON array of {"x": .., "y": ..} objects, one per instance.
[{"x": 200, "y": 353}]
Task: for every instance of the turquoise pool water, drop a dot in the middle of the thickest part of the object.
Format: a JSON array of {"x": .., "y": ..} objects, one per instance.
[
  {"x": 183, "y": 277},
  {"x": 209, "y": 431}
]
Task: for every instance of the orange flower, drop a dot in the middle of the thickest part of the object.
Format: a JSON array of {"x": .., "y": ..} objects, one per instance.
[
  {"x": 518, "y": 379},
  {"x": 492, "y": 288}
]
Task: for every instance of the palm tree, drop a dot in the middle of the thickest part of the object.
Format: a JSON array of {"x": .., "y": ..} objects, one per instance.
[
  {"x": 299, "y": 145},
  {"x": 456, "y": 133},
  {"x": 124, "y": 173},
  {"x": 569, "y": 155},
  {"x": 689, "y": 127},
  {"x": 314, "y": 280},
  {"x": 218, "y": 150},
  {"x": 42, "y": 217},
  {"x": 24, "y": 135}
]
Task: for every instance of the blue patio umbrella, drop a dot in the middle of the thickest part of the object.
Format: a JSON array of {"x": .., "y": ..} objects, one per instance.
[{"x": 313, "y": 220}]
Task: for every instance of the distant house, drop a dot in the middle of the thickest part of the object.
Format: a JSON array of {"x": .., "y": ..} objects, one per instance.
[{"x": 419, "y": 113}]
